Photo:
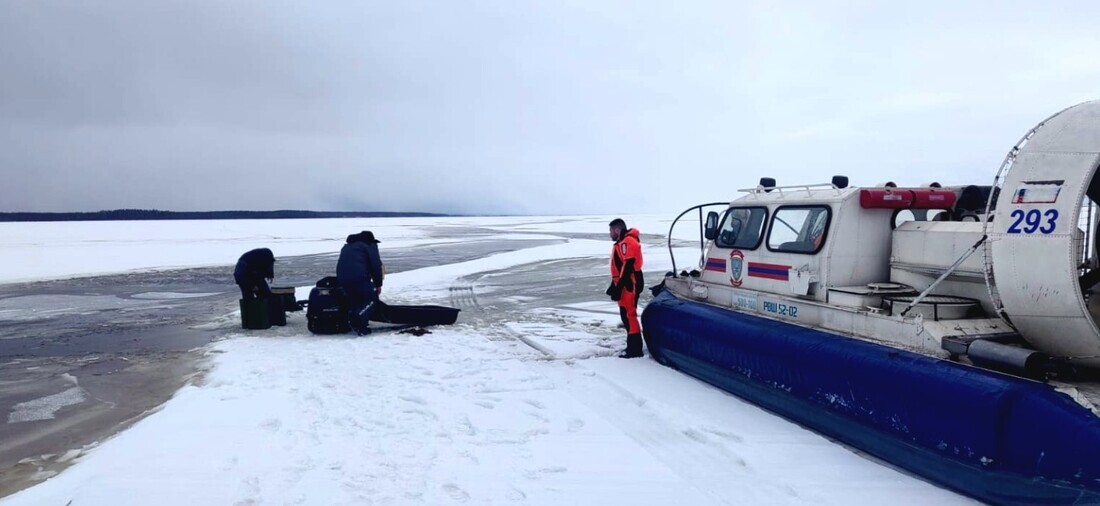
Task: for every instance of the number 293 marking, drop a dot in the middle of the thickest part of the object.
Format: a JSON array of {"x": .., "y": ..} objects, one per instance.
[{"x": 1033, "y": 221}]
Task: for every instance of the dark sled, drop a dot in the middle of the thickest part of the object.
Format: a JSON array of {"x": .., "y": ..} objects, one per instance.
[{"x": 415, "y": 315}]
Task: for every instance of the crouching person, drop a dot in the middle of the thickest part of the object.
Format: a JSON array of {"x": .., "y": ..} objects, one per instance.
[
  {"x": 359, "y": 272},
  {"x": 253, "y": 271}
]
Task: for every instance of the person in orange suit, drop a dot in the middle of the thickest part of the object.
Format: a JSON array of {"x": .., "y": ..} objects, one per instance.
[{"x": 626, "y": 282}]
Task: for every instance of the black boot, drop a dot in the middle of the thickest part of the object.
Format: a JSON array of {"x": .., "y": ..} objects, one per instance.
[
  {"x": 633, "y": 346},
  {"x": 357, "y": 324}
]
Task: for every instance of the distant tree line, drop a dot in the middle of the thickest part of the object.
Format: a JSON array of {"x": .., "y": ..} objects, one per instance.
[{"x": 153, "y": 214}]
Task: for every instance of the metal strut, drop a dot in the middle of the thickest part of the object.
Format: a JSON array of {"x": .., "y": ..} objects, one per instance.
[
  {"x": 943, "y": 276},
  {"x": 702, "y": 242}
]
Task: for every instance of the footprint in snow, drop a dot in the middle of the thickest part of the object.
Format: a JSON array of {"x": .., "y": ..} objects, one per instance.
[
  {"x": 534, "y": 432},
  {"x": 516, "y": 494},
  {"x": 535, "y": 403},
  {"x": 537, "y": 474},
  {"x": 471, "y": 457},
  {"x": 424, "y": 413},
  {"x": 694, "y": 435},
  {"x": 414, "y": 399},
  {"x": 575, "y": 424},
  {"x": 271, "y": 424},
  {"x": 724, "y": 434},
  {"x": 466, "y": 427},
  {"x": 456, "y": 492}
]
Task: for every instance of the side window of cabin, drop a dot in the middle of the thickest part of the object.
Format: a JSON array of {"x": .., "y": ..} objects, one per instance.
[
  {"x": 742, "y": 228},
  {"x": 800, "y": 229}
]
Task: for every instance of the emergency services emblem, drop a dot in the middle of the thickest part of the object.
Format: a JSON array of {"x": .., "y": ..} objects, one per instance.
[{"x": 737, "y": 267}]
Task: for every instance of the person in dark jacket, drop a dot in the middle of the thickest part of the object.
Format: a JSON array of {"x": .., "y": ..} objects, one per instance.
[
  {"x": 253, "y": 270},
  {"x": 359, "y": 271}
]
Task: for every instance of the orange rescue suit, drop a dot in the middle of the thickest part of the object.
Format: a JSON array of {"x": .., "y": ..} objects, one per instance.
[{"x": 626, "y": 276}]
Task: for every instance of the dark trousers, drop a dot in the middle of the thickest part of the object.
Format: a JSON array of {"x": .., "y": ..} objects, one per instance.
[
  {"x": 362, "y": 299},
  {"x": 251, "y": 287}
]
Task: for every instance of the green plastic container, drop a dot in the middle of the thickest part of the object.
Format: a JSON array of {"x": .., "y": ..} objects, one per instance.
[{"x": 255, "y": 314}]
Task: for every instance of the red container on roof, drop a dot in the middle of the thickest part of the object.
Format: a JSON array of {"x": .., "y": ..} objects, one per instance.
[
  {"x": 885, "y": 198},
  {"x": 933, "y": 198}
]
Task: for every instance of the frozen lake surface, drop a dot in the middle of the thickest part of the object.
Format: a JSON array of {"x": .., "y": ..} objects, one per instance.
[{"x": 520, "y": 402}]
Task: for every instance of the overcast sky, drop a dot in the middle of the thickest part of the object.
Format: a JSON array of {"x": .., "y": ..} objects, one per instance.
[{"x": 575, "y": 106}]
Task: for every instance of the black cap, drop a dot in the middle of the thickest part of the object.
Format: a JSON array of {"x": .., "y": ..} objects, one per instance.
[
  {"x": 368, "y": 236},
  {"x": 617, "y": 222}
]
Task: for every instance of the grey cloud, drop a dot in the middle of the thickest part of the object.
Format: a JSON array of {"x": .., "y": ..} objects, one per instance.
[{"x": 514, "y": 107}]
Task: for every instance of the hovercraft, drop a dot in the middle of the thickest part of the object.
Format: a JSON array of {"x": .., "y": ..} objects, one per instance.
[{"x": 950, "y": 331}]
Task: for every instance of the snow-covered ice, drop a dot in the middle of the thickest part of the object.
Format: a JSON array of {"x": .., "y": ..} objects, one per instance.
[
  {"x": 48, "y": 250},
  {"x": 520, "y": 403}
]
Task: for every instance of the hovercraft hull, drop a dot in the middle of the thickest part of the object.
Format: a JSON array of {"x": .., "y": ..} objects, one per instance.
[{"x": 995, "y": 437}]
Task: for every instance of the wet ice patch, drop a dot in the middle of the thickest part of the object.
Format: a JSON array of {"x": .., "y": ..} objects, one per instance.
[
  {"x": 34, "y": 307},
  {"x": 170, "y": 295},
  {"x": 44, "y": 408}
]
